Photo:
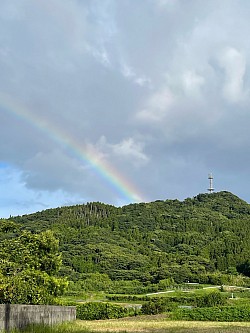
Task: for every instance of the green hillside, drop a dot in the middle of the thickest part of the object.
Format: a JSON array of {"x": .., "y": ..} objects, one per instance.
[{"x": 191, "y": 240}]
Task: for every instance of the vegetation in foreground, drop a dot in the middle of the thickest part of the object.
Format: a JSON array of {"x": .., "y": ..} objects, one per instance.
[
  {"x": 136, "y": 249},
  {"x": 147, "y": 258},
  {"x": 28, "y": 267},
  {"x": 152, "y": 324}
]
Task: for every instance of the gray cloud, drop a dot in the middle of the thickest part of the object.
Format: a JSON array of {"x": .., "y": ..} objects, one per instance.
[{"x": 157, "y": 89}]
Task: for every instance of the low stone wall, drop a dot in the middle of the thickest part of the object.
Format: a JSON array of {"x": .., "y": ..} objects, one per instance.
[{"x": 19, "y": 316}]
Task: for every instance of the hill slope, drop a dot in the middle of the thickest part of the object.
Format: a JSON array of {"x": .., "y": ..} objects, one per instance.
[{"x": 151, "y": 241}]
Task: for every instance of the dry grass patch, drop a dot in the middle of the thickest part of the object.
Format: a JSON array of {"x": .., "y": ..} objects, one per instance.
[{"x": 159, "y": 324}]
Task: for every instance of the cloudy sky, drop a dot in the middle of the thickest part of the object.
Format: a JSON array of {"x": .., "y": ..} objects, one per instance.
[{"x": 122, "y": 101}]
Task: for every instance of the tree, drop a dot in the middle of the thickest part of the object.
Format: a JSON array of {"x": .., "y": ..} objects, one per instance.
[{"x": 27, "y": 267}]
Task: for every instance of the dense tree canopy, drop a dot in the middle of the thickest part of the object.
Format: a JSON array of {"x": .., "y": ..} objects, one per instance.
[
  {"x": 197, "y": 240},
  {"x": 28, "y": 263}
]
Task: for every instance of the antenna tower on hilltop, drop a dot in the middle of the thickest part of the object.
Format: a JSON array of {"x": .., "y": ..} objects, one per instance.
[{"x": 210, "y": 177}]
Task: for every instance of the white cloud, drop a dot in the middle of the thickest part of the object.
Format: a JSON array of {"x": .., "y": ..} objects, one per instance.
[
  {"x": 131, "y": 149},
  {"x": 157, "y": 106},
  {"x": 129, "y": 73},
  {"x": 234, "y": 64},
  {"x": 128, "y": 150},
  {"x": 192, "y": 83},
  {"x": 101, "y": 55},
  {"x": 143, "y": 81}
]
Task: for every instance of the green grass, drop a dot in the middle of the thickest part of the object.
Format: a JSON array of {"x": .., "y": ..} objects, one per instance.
[
  {"x": 83, "y": 297},
  {"x": 150, "y": 324},
  {"x": 141, "y": 324}
]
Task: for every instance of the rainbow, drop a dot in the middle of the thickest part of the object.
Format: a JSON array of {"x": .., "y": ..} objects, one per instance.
[{"x": 86, "y": 154}]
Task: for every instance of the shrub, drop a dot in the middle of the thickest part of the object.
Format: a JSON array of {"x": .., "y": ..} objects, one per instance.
[
  {"x": 226, "y": 313},
  {"x": 159, "y": 305},
  {"x": 214, "y": 298},
  {"x": 152, "y": 307},
  {"x": 99, "y": 310}
]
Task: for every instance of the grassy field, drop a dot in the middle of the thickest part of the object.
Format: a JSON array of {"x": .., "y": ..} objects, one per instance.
[
  {"x": 158, "y": 324},
  {"x": 151, "y": 324},
  {"x": 142, "y": 324}
]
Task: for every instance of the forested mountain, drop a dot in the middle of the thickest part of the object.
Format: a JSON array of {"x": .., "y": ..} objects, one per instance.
[{"x": 186, "y": 240}]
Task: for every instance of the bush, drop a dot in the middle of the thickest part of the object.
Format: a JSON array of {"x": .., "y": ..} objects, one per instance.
[
  {"x": 99, "y": 310},
  {"x": 151, "y": 308},
  {"x": 214, "y": 298},
  {"x": 226, "y": 313},
  {"x": 156, "y": 306},
  {"x": 165, "y": 304}
]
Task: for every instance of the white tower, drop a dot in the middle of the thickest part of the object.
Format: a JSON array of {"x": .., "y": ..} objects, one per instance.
[{"x": 210, "y": 177}]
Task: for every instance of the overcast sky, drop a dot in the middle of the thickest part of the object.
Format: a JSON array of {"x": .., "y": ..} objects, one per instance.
[{"x": 122, "y": 101}]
